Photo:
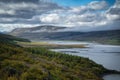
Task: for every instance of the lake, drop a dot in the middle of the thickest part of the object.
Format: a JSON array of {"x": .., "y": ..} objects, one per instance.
[{"x": 106, "y": 55}]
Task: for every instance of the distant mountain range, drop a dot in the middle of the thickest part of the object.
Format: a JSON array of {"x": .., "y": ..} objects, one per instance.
[
  {"x": 45, "y": 28},
  {"x": 61, "y": 33}
]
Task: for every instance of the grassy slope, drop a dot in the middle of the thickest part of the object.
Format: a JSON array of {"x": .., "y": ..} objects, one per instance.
[
  {"x": 49, "y": 45},
  {"x": 4, "y": 38},
  {"x": 17, "y": 63}
]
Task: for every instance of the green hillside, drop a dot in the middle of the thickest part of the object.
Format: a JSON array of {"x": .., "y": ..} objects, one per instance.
[
  {"x": 9, "y": 38},
  {"x": 18, "y": 63}
]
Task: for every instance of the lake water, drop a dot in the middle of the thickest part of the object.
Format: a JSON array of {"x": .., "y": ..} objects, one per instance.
[{"x": 106, "y": 55}]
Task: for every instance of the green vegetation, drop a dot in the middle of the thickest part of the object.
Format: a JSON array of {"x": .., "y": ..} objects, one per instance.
[
  {"x": 4, "y": 38},
  {"x": 18, "y": 63},
  {"x": 112, "y": 42},
  {"x": 7, "y": 38}
]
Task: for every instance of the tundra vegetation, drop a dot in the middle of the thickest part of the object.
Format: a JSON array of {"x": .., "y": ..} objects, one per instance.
[{"x": 37, "y": 63}]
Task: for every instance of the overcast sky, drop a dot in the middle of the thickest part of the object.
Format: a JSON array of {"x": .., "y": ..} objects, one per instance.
[{"x": 82, "y": 15}]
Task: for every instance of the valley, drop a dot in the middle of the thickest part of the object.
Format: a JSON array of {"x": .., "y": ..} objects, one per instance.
[{"x": 56, "y": 33}]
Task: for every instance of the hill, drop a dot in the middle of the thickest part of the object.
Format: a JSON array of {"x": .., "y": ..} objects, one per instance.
[
  {"x": 8, "y": 38},
  {"x": 108, "y": 36},
  {"x": 44, "y": 28},
  {"x": 19, "y": 63}
]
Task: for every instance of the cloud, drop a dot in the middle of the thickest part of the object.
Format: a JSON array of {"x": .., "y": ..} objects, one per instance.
[
  {"x": 24, "y": 9},
  {"x": 97, "y": 15},
  {"x": 91, "y": 7},
  {"x": 77, "y": 16},
  {"x": 10, "y": 27},
  {"x": 113, "y": 13},
  {"x": 50, "y": 18},
  {"x": 11, "y": 12},
  {"x": 94, "y": 16},
  {"x": 15, "y": 1},
  {"x": 98, "y": 5},
  {"x": 19, "y": 12},
  {"x": 112, "y": 17}
]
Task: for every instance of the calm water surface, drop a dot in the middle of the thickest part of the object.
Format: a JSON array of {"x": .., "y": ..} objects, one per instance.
[{"x": 106, "y": 55}]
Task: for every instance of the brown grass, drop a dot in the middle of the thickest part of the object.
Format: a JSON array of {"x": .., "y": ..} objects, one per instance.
[{"x": 49, "y": 45}]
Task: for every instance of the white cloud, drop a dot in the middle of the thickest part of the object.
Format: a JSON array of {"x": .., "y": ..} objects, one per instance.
[
  {"x": 9, "y": 27},
  {"x": 50, "y": 18},
  {"x": 112, "y": 17},
  {"x": 93, "y": 6},
  {"x": 98, "y": 5},
  {"x": 3, "y": 11}
]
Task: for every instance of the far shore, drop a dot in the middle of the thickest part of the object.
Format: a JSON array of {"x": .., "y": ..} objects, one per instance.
[{"x": 50, "y": 45}]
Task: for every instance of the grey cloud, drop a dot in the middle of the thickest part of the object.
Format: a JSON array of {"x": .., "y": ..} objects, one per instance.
[
  {"x": 7, "y": 1},
  {"x": 115, "y": 9},
  {"x": 93, "y": 16},
  {"x": 23, "y": 11},
  {"x": 114, "y": 12}
]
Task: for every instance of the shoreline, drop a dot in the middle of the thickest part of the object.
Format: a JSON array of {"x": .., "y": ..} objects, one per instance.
[
  {"x": 112, "y": 72},
  {"x": 50, "y": 45},
  {"x": 47, "y": 45}
]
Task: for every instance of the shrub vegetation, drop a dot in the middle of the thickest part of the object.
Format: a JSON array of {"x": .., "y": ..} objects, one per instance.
[{"x": 36, "y": 63}]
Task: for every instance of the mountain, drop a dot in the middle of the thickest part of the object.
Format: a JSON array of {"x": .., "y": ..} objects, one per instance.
[
  {"x": 59, "y": 33},
  {"x": 44, "y": 28}
]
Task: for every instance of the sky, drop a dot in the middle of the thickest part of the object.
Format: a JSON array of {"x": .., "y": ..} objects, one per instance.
[
  {"x": 79, "y": 2},
  {"x": 80, "y": 15}
]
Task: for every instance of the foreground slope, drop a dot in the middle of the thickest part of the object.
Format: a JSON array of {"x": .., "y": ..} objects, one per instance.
[
  {"x": 8, "y": 38},
  {"x": 18, "y": 63}
]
